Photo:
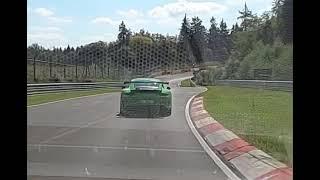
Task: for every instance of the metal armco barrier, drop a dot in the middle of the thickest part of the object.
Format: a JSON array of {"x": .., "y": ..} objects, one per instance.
[
  {"x": 59, "y": 87},
  {"x": 261, "y": 84}
]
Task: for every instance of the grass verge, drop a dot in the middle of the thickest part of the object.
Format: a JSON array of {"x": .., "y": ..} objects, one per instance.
[
  {"x": 48, "y": 97},
  {"x": 187, "y": 83},
  {"x": 261, "y": 117}
]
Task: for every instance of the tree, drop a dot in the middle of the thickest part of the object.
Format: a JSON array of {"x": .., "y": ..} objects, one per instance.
[
  {"x": 213, "y": 34},
  {"x": 35, "y": 50},
  {"x": 276, "y": 7},
  {"x": 246, "y": 16},
  {"x": 198, "y": 39},
  {"x": 67, "y": 50},
  {"x": 286, "y": 21},
  {"x": 142, "y": 32},
  {"x": 124, "y": 33},
  {"x": 235, "y": 28},
  {"x": 223, "y": 28},
  {"x": 266, "y": 33},
  {"x": 213, "y": 30},
  {"x": 185, "y": 30}
]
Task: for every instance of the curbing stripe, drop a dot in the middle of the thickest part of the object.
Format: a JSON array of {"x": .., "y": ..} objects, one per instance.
[
  {"x": 215, "y": 158},
  {"x": 196, "y": 113},
  {"x": 198, "y": 98},
  {"x": 205, "y": 121},
  {"x": 250, "y": 167},
  {"x": 197, "y": 107},
  {"x": 199, "y": 117},
  {"x": 197, "y": 103},
  {"x": 262, "y": 156},
  {"x": 220, "y": 137},
  {"x": 277, "y": 174},
  {"x": 245, "y": 158},
  {"x": 238, "y": 152},
  {"x": 231, "y": 146},
  {"x": 210, "y": 128}
]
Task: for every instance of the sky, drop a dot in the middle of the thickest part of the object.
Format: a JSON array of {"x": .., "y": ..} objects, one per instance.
[{"x": 59, "y": 23}]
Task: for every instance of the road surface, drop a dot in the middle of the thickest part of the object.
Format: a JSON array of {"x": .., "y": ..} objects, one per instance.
[{"x": 84, "y": 139}]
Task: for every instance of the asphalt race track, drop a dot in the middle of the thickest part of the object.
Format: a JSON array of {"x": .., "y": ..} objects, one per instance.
[{"x": 85, "y": 139}]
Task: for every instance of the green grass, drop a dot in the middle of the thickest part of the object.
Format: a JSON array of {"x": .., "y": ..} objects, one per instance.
[
  {"x": 187, "y": 83},
  {"x": 261, "y": 117},
  {"x": 48, "y": 97}
]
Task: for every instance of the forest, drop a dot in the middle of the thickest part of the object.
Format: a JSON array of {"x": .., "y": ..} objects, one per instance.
[{"x": 258, "y": 42}]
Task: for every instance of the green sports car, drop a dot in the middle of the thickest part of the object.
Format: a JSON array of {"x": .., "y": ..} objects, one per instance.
[{"x": 146, "y": 97}]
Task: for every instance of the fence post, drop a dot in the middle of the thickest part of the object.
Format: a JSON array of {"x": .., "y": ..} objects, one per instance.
[
  {"x": 34, "y": 69},
  {"x": 76, "y": 70},
  {"x": 64, "y": 71},
  {"x": 50, "y": 68},
  {"x": 108, "y": 71},
  {"x": 95, "y": 70}
]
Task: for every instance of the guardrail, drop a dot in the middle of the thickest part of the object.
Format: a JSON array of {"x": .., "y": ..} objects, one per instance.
[
  {"x": 60, "y": 87},
  {"x": 261, "y": 84}
]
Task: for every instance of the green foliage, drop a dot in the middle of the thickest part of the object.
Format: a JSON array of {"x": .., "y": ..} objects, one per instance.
[
  {"x": 243, "y": 43},
  {"x": 197, "y": 39},
  {"x": 278, "y": 57},
  {"x": 262, "y": 44},
  {"x": 244, "y": 71},
  {"x": 187, "y": 83},
  {"x": 209, "y": 76},
  {"x": 49, "y": 97},
  {"x": 139, "y": 39},
  {"x": 124, "y": 34}
]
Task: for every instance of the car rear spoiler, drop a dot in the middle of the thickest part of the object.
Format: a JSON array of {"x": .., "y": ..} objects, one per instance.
[{"x": 127, "y": 82}]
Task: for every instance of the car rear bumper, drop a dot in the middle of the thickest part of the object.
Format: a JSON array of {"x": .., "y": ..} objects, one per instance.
[{"x": 141, "y": 110}]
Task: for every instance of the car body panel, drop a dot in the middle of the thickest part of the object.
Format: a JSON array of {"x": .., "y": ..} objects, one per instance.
[{"x": 146, "y": 97}]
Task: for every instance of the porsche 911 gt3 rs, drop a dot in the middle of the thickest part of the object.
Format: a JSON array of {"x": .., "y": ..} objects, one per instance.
[{"x": 146, "y": 97}]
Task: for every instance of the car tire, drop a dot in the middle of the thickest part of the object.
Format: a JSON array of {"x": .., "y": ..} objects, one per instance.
[
  {"x": 122, "y": 111},
  {"x": 165, "y": 111}
]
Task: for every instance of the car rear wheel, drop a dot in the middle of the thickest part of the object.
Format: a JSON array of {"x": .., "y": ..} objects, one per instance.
[
  {"x": 164, "y": 111},
  {"x": 122, "y": 111}
]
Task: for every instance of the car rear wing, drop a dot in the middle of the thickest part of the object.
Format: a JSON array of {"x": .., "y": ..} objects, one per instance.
[
  {"x": 125, "y": 83},
  {"x": 160, "y": 82}
]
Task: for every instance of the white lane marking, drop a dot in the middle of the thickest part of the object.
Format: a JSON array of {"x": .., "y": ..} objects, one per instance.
[
  {"x": 100, "y": 119},
  {"x": 51, "y": 102},
  {"x": 215, "y": 158},
  {"x": 87, "y": 172},
  {"x": 118, "y": 148}
]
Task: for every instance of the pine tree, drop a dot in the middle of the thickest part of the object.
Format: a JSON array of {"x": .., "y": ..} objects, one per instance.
[
  {"x": 246, "y": 16},
  {"x": 185, "y": 31},
  {"x": 286, "y": 21},
  {"x": 276, "y": 7},
  {"x": 266, "y": 33},
  {"x": 235, "y": 28},
  {"x": 198, "y": 39},
  {"x": 142, "y": 32},
  {"x": 213, "y": 27},
  {"x": 68, "y": 49},
  {"x": 123, "y": 33},
  {"x": 223, "y": 28},
  {"x": 213, "y": 39}
]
